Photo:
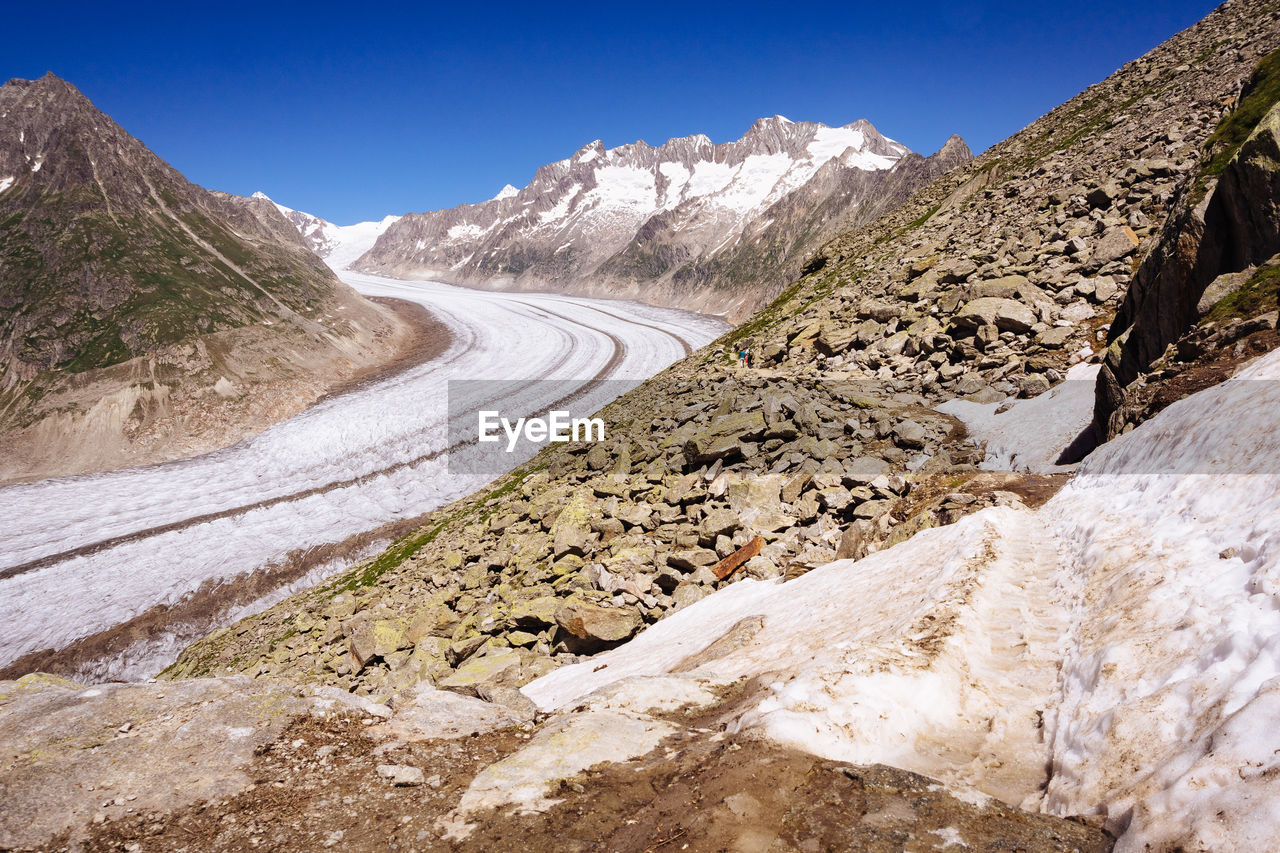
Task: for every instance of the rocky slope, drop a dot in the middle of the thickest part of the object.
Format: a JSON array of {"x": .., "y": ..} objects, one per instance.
[
  {"x": 690, "y": 224},
  {"x": 234, "y": 764},
  {"x": 143, "y": 317}
]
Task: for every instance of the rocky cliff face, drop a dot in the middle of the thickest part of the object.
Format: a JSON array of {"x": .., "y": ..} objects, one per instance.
[
  {"x": 689, "y": 223},
  {"x": 119, "y": 278},
  {"x": 1205, "y": 265}
]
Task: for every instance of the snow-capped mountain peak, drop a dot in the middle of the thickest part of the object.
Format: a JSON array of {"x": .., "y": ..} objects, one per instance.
[{"x": 637, "y": 212}]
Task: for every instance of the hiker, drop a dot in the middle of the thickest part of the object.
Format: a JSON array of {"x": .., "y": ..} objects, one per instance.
[{"x": 742, "y": 356}]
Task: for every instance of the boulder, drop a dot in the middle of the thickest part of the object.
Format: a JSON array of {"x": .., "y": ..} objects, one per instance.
[
  {"x": 572, "y": 528},
  {"x": 1102, "y": 197},
  {"x": 1220, "y": 288},
  {"x": 537, "y": 612},
  {"x": 956, "y": 272},
  {"x": 1006, "y": 314},
  {"x": 1033, "y": 385},
  {"x": 718, "y": 522},
  {"x": 909, "y": 434},
  {"x": 1054, "y": 338},
  {"x": 369, "y": 638},
  {"x": 401, "y": 775},
  {"x": 595, "y": 626},
  {"x": 687, "y": 593},
  {"x": 1006, "y": 287},
  {"x": 723, "y": 437},
  {"x": 1116, "y": 243},
  {"x": 482, "y": 669},
  {"x": 689, "y": 560}
]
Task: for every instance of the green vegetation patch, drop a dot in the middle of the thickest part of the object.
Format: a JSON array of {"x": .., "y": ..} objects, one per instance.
[
  {"x": 1259, "y": 96},
  {"x": 923, "y": 218},
  {"x": 1260, "y": 294}
]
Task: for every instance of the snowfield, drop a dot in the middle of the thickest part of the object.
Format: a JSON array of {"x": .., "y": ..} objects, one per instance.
[
  {"x": 1125, "y": 636},
  {"x": 1031, "y": 434},
  {"x": 82, "y": 555}
]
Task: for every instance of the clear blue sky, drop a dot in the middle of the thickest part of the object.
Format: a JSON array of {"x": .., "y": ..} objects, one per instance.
[{"x": 352, "y": 113}]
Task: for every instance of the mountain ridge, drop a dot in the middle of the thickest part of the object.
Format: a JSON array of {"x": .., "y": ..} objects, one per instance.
[{"x": 655, "y": 223}]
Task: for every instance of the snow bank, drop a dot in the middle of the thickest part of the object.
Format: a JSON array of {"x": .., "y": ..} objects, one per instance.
[
  {"x": 1126, "y": 636},
  {"x": 912, "y": 679},
  {"x": 1031, "y": 434},
  {"x": 1167, "y": 718}
]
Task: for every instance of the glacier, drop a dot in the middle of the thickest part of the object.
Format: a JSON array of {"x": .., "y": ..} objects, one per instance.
[{"x": 82, "y": 555}]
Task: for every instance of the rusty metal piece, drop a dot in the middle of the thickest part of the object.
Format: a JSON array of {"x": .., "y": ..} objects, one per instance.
[{"x": 731, "y": 563}]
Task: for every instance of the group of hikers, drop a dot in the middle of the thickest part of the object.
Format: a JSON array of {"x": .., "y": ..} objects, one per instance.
[{"x": 744, "y": 356}]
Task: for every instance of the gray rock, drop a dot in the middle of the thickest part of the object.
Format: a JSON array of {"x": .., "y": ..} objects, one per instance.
[
  {"x": 690, "y": 559},
  {"x": 1033, "y": 385},
  {"x": 718, "y": 522},
  {"x": 596, "y": 625},
  {"x": 1006, "y": 314},
  {"x": 1054, "y": 338},
  {"x": 1220, "y": 288},
  {"x": 401, "y": 775},
  {"x": 687, "y": 593},
  {"x": 187, "y": 741},
  {"x": 1116, "y": 243},
  {"x": 909, "y": 434},
  {"x": 1103, "y": 196}
]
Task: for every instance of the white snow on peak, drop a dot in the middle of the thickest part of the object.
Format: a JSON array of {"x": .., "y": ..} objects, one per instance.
[
  {"x": 5, "y": 183},
  {"x": 338, "y": 245},
  {"x": 1126, "y": 636},
  {"x": 507, "y": 191},
  {"x": 462, "y": 231},
  {"x": 831, "y": 142},
  {"x": 625, "y": 186},
  {"x": 349, "y": 242},
  {"x": 561, "y": 208}
]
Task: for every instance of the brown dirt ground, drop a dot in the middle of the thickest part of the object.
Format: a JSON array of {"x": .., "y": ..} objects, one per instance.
[{"x": 317, "y": 787}]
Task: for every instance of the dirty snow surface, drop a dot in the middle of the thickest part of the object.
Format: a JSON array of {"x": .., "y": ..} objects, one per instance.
[
  {"x": 82, "y": 555},
  {"x": 1031, "y": 434},
  {"x": 1125, "y": 636}
]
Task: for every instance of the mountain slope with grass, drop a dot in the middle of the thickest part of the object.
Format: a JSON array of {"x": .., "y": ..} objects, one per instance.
[{"x": 132, "y": 300}]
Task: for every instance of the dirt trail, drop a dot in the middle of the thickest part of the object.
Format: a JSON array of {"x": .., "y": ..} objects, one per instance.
[{"x": 318, "y": 787}]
